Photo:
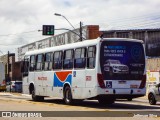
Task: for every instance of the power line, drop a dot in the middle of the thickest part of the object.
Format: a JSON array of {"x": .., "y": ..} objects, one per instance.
[
  {"x": 138, "y": 24},
  {"x": 143, "y": 17},
  {"x": 139, "y": 21},
  {"x": 10, "y": 44},
  {"x": 19, "y": 33}
]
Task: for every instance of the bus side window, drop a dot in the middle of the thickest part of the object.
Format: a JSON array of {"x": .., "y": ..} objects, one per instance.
[
  {"x": 57, "y": 60},
  {"x": 39, "y": 62},
  {"x": 32, "y": 63},
  {"x": 91, "y": 55},
  {"x": 48, "y": 61},
  {"x": 68, "y": 59},
  {"x": 80, "y": 58}
]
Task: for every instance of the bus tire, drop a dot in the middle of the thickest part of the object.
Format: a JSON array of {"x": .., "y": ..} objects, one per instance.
[
  {"x": 151, "y": 98},
  {"x": 68, "y": 95},
  {"x": 103, "y": 101},
  {"x": 35, "y": 97},
  {"x": 40, "y": 98},
  {"x": 129, "y": 99}
]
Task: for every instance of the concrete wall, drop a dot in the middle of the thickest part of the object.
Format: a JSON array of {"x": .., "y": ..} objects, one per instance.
[{"x": 153, "y": 64}]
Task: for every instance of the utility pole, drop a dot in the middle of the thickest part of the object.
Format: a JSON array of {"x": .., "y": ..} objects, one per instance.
[
  {"x": 80, "y": 31},
  {"x": 8, "y": 77}
]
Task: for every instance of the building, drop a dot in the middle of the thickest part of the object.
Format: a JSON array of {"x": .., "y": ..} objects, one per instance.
[
  {"x": 88, "y": 32},
  {"x": 12, "y": 72}
]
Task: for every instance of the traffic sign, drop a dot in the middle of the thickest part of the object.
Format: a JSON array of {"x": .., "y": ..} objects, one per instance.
[{"x": 48, "y": 30}]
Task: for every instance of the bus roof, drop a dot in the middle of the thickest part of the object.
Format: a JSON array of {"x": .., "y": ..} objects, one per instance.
[
  {"x": 63, "y": 47},
  {"x": 78, "y": 44}
]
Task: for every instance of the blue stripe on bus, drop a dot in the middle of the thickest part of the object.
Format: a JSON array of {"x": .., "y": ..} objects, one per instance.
[{"x": 58, "y": 83}]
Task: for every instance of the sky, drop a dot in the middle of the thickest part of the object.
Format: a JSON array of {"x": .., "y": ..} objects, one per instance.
[{"x": 20, "y": 20}]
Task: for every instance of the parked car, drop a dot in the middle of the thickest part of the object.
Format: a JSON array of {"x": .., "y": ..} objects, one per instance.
[
  {"x": 115, "y": 66},
  {"x": 154, "y": 94},
  {"x": 15, "y": 86}
]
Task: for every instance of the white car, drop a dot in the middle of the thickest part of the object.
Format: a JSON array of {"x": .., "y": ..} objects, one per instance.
[
  {"x": 115, "y": 66},
  {"x": 154, "y": 94}
]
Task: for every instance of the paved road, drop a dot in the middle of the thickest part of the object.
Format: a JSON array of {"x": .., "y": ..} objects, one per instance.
[
  {"x": 88, "y": 105},
  {"x": 18, "y": 102}
]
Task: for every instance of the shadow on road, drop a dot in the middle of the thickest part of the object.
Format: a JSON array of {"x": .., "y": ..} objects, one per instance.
[{"x": 116, "y": 105}]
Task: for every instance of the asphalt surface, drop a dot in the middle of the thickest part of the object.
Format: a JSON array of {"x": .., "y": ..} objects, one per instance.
[
  {"x": 22, "y": 102},
  {"x": 26, "y": 96}
]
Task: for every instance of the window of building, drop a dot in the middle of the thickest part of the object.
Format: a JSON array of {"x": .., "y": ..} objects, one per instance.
[
  {"x": 32, "y": 63},
  {"x": 39, "y": 62},
  {"x": 68, "y": 59},
  {"x": 91, "y": 57},
  {"x": 57, "y": 60},
  {"x": 80, "y": 58},
  {"x": 48, "y": 61}
]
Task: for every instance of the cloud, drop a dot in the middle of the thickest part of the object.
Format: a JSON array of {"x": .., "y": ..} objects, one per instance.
[{"x": 18, "y": 16}]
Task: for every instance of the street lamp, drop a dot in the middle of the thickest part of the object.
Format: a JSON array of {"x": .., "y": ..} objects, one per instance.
[
  {"x": 64, "y": 18},
  {"x": 81, "y": 38}
]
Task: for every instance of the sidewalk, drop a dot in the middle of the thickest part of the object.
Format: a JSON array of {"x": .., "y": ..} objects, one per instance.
[
  {"x": 5, "y": 94},
  {"x": 142, "y": 99}
]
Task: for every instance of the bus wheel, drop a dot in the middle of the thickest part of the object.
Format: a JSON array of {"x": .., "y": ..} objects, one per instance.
[
  {"x": 151, "y": 98},
  {"x": 68, "y": 96},
  {"x": 129, "y": 99},
  {"x": 40, "y": 98},
  {"x": 35, "y": 97},
  {"x": 104, "y": 101}
]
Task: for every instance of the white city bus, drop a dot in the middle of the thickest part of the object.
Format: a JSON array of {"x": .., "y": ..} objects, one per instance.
[{"x": 105, "y": 69}]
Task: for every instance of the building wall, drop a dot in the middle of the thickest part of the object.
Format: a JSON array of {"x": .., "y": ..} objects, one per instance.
[
  {"x": 11, "y": 70},
  {"x": 4, "y": 58},
  {"x": 16, "y": 71},
  {"x": 153, "y": 64}
]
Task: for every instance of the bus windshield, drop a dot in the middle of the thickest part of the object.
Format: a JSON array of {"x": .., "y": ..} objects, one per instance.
[{"x": 122, "y": 60}]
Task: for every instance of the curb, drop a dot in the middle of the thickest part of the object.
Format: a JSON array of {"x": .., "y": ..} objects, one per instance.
[
  {"x": 26, "y": 95},
  {"x": 5, "y": 94},
  {"x": 14, "y": 94}
]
